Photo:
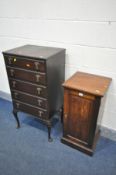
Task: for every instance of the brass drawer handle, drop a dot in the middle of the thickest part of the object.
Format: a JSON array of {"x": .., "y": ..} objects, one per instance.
[
  {"x": 36, "y": 65},
  {"x": 12, "y": 72},
  {"x": 39, "y": 102},
  {"x": 40, "y": 113},
  {"x": 13, "y": 84},
  {"x": 10, "y": 60},
  {"x": 17, "y": 105},
  {"x": 39, "y": 91},
  {"x": 16, "y": 94},
  {"x": 37, "y": 78}
]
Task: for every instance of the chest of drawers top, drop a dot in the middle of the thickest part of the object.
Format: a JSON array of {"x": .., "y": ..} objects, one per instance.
[{"x": 34, "y": 52}]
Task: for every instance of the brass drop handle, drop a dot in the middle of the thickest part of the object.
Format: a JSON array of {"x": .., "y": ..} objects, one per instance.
[
  {"x": 15, "y": 94},
  {"x": 12, "y": 72},
  {"x": 17, "y": 105},
  {"x": 36, "y": 65},
  {"x": 40, "y": 113},
  {"x": 39, "y": 90},
  {"x": 37, "y": 78},
  {"x": 13, "y": 84},
  {"x": 39, "y": 102},
  {"x": 10, "y": 60}
]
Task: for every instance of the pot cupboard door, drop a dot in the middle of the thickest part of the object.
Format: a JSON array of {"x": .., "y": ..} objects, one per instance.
[{"x": 78, "y": 116}]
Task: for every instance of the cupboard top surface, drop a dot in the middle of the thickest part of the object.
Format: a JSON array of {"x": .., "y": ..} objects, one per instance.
[
  {"x": 90, "y": 83},
  {"x": 34, "y": 51}
]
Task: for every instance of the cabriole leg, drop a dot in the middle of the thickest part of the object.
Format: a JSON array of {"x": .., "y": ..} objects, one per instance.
[
  {"x": 49, "y": 134},
  {"x": 16, "y": 118}
]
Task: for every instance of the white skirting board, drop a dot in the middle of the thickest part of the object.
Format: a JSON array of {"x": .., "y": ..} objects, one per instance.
[{"x": 5, "y": 96}]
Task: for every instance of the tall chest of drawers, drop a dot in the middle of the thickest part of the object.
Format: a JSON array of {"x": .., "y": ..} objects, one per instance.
[{"x": 35, "y": 75}]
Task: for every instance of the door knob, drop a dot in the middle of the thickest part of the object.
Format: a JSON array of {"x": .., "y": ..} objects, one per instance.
[{"x": 65, "y": 116}]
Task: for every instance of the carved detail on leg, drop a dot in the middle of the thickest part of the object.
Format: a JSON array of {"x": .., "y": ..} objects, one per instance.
[
  {"x": 16, "y": 118},
  {"x": 49, "y": 134}
]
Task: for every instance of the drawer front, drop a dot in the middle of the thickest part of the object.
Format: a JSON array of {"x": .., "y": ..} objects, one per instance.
[
  {"x": 38, "y": 78},
  {"x": 25, "y": 63},
  {"x": 42, "y": 114},
  {"x": 39, "y": 102},
  {"x": 39, "y": 91}
]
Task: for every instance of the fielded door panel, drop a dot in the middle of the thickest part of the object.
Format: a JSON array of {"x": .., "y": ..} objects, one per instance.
[{"x": 78, "y": 116}]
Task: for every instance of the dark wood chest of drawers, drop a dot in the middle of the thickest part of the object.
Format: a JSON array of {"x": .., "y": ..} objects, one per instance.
[
  {"x": 35, "y": 75},
  {"x": 82, "y": 99}
]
